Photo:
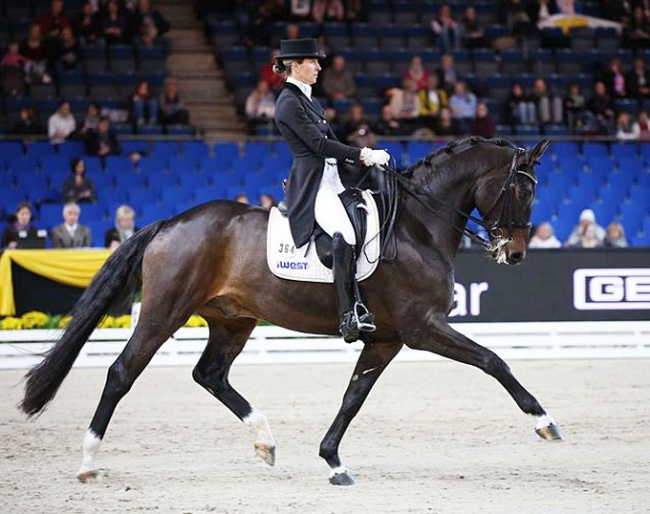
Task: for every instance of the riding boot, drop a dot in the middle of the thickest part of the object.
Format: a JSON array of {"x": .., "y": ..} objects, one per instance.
[{"x": 353, "y": 315}]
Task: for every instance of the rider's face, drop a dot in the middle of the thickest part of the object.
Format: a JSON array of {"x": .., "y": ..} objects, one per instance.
[{"x": 307, "y": 71}]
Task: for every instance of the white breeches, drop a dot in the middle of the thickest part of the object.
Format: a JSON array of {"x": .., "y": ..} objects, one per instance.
[{"x": 329, "y": 210}]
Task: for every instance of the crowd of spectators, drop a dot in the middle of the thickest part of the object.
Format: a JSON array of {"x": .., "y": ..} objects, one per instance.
[
  {"x": 534, "y": 105},
  {"x": 55, "y": 45}
]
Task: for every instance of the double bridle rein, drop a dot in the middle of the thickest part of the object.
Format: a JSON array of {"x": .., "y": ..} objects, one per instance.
[{"x": 506, "y": 218}]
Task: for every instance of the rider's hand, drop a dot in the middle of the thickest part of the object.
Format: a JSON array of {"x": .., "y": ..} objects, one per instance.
[{"x": 371, "y": 157}]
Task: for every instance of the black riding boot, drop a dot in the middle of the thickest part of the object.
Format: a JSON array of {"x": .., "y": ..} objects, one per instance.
[{"x": 353, "y": 315}]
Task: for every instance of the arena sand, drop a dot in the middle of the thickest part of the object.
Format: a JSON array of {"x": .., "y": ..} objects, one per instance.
[{"x": 432, "y": 437}]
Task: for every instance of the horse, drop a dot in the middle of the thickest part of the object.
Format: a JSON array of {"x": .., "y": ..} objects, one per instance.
[{"x": 211, "y": 260}]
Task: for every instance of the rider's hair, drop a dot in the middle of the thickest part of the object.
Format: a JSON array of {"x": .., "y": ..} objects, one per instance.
[{"x": 283, "y": 66}]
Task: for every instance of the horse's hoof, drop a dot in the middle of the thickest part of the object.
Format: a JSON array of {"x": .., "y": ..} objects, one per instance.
[
  {"x": 344, "y": 478},
  {"x": 550, "y": 432},
  {"x": 88, "y": 476},
  {"x": 266, "y": 452}
]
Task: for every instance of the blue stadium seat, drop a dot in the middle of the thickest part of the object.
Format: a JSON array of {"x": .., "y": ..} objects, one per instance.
[
  {"x": 195, "y": 181},
  {"x": 180, "y": 166},
  {"x": 150, "y": 130},
  {"x": 175, "y": 195},
  {"x": 39, "y": 149},
  {"x": 50, "y": 214},
  {"x": 196, "y": 150},
  {"x": 71, "y": 149},
  {"x": 591, "y": 150},
  {"x": 619, "y": 181},
  {"x": 127, "y": 181},
  {"x": 154, "y": 212},
  {"x": 142, "y": 195},
  {"x": 117, "y": 164},
  {"x": 416, "y": 150},
  {"x": 632, "y": 216},
  {"x": 92, "y": 211},
  {"x": 179, "y": 130},
  {"x": 624, "y": 150},
  {"x": 165, "y": 150},
  {"x": 10, "y": 150},
  {"x": 152, "y": 166}
]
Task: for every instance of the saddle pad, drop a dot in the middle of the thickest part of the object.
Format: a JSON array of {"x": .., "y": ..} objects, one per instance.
[{"x": 302, "y": 264}]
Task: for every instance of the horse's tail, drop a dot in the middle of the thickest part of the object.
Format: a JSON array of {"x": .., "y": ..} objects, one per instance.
[{"x": 119, "y": 276}]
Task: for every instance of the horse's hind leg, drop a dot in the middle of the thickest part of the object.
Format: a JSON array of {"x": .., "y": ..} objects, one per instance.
[
  {"x": 149, "y": 335},
  {"x": 443, "y": 340},
  {"x": 372, "y": 362},
  {"x": 227, "y": 339}
]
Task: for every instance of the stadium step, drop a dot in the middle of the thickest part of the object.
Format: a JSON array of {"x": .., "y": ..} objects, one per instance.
[{"x": 201, "y": 64}]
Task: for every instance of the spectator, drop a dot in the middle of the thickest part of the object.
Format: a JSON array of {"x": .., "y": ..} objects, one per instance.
[
  {"x": 123, "y": 229},
  {"x": 574, "y": 107},
  {"x": 338, "y": 82},
  {"x": 260, "y": 106},
  {"x": 600, "y": 107},
  {"x": 146, "y": 21},
  {"x": 267, "y": 201},
  {"x": 274, "y": 80},
  {"x": 447, "y": 75},
  {"x": 549, "y": 106},
  {"x": 626, "y": 128},
  {"x": 67, "y": 50},
  {"x": 28, "y": 124},
  {"x": 144, "y": 106},
  {"x": 103, "y": 141},
  {"x": 61, "y": 124},
  {"x": 544, "y": 237},
  {"x": 405, "y": 102},
  {"x": 615, "y": 236},
  {"x": 638, "y": 28},
  {"x": 432, "y": 98},
  {"x": 91, "y": 120},
  {"x": 112, "y": 23},
  {"x": 12, "y": 71},
  {"x": 614, "y": 79},
  {"x": 587, "y": 218},
  {"x": 416, "y": 72},
  {"x": 327, "y": 10},
  {"x": 638, "y": 79},
  {"x": 19, "y": 228},
  {"x": 54, "y": 21},
  {"x": 521, "y": 110},
  {"x": 33, "y": 48},
  {"x": 462, "y": 104},
  {"x": 471, "y": 30},
  {"x": 299, "y": 10},
  {"x": 263, "y": 21},
  {"x": 517, "y": 17},
  {"x": 363, "y": 136},
  {"x": 482, "y": 125},
  {"x": 86, "y": 25},
  {"x": 78, "y": 188},
  {"x": 446, "y": 125},
  {"x": 388, "y": 125},
  {"x": 355, "y": 117},
  {"x": 172, "y": 109},
  {"x": 353, "y": 10},
  {"x": 644, "y": 126},
  {"x": 587, "y": 238},
  {"x": 242, "y": 198},
  {"x": 446, "y": 32},
  {"x": 70, "y": 234},
  {"x": 541, "y": 10}
]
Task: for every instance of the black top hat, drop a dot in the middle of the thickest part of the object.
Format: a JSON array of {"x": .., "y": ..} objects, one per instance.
[{"x": 299, "y": 49}]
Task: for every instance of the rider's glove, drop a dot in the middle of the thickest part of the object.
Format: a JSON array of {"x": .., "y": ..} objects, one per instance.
[{"x": 371, "y": 157}]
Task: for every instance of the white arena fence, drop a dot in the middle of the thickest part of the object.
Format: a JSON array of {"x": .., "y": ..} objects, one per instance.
[{"x": 275, "y": 345}]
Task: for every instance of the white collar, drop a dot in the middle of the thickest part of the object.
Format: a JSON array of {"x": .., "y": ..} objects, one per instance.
[
  {"x": 305, "y": 88},
  {"x": 71, "y": 228}
]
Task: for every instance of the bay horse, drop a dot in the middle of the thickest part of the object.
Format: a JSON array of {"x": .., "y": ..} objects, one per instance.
[{"x": 211, "y": 260}]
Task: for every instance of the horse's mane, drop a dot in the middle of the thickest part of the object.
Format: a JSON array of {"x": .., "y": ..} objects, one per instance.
[{"x": 455, "y": 147}]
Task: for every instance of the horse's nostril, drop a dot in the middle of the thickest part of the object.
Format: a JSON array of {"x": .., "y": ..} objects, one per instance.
[{"x": 516, "y": 257}]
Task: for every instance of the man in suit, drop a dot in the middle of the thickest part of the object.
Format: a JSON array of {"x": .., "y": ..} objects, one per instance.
[
  {"x": 314, "y": 185},
  {"x": 70, "y": 234}
]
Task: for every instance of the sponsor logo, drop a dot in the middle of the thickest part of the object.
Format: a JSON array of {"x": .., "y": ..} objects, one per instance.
[
  {"x": 293, "y": 265},
  {"x": 467, "y": 300},
  {"x": 611, "y": 289}
]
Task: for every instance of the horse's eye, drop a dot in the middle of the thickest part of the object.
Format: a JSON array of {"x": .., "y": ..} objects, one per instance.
[{"x": 524, "y": 193}]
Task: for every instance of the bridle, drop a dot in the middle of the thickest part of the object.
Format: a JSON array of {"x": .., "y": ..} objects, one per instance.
[{"x": 506, "y": 198}]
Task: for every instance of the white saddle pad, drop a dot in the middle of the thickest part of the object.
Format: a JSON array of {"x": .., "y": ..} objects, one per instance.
[{"x": 287, "y": 261}]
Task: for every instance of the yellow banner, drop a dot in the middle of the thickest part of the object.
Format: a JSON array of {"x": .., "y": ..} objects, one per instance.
[{"x": 69, "y": 267}]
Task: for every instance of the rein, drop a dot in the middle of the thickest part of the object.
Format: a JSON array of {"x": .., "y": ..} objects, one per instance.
[{"x": 505, "y": 214}]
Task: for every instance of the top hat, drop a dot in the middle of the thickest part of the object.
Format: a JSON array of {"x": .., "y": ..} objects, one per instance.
[{"x": 299, "y": 49}]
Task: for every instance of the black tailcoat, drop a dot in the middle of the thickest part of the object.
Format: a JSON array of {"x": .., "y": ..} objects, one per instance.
[{"x": 303, "y": 125}]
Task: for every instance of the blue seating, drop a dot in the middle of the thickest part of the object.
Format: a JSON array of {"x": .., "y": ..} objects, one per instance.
[
  {"x": 180, "y": 166},
  {"x": 39, "y": 149},
  {"x": 152, "y": 166},
  {"x": 591, "y": 150},
  {"x": 417, "y": 150},
  {"x": 154, "y": 212},
  {"x": 175, "y": 195},
  {"x": 624, "y": 150},
  {"x": 194, "y": 181},
  {"x": 165, "y": 149},
  {"x": 150, "y": 130},
  {"x": 71, "y": 149},
  {"x": 131, "y": 146},
  {"x": 129, "y": 181},
  {"x": 50, "y": 214},
  {"x": 142, "y": 195},
  {"x": 117, "y": 164},
  {"x": 196, "y": 150},
  {"x": 205, "y": 195}
]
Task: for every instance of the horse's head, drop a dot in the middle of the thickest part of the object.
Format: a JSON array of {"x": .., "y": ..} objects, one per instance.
[{"x": 504, "y": 197}]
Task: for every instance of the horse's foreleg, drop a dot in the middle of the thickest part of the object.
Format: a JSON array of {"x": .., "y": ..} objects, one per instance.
[
  {"x": 444, "y": 340},
  {"x": 227, "y": 339},
  {"x": 148, "y": 336},
  {"x": 373, "y": 360}
]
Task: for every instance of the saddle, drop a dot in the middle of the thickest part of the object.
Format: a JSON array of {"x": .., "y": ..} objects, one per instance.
[{"x": 357, "y": 210}]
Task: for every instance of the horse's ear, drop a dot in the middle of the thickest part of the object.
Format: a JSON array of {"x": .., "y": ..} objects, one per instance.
[{"x": 536, "y": 152}]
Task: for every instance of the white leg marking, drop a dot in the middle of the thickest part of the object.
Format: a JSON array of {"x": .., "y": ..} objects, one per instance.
[
  {"x": 338, "y": 470},
  {"x": 544, "y": 421},
  {"x": 90, "y": 448},
  {"x": 259, "y": 427}
]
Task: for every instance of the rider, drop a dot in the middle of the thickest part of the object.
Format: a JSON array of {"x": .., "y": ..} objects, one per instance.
[{"x": 314, "y": 183}]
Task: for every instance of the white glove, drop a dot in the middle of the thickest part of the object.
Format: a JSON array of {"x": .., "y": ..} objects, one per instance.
[{"x": 371, "y": 157}]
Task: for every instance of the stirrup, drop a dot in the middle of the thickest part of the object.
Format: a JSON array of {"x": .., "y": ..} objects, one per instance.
[{"x": 364, "y": 318}]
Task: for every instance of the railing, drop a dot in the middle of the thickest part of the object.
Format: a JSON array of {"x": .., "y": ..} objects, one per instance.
[{"x": 274, "y": 345}]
